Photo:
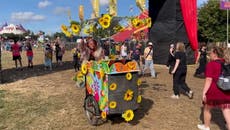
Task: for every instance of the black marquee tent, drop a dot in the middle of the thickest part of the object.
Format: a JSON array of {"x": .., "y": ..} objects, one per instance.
[{"x": 173, "y": 21}]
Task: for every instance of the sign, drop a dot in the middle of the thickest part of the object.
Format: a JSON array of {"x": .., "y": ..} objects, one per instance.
[{"x": 225, "y": 4}]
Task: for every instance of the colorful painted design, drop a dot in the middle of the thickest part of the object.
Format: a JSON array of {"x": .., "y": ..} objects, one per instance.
[{"x": 96, "y": 74}]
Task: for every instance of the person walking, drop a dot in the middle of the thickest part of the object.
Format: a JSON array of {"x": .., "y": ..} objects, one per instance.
[
  {"x": 29, "y": 54},
  {"x": 212, "y": 96},
  {"x": 202, "y": 60},
  {"x": 48, "y": 56},
  {"x": 179, "y": 73},
  {"x": 16, "y": 49},
  {"x": 148, "y": 55},
  {"x": 171, "y": 59}
]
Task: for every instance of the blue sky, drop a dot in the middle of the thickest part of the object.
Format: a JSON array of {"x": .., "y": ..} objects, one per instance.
[{"x": 48, "y": 15}]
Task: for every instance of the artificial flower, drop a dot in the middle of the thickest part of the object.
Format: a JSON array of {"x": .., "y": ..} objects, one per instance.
[
  {"x": 84, "y": 68},
  {"x": 139, "y": 82},
  {"x": 128, "y": 95},
  {"x": 113, "y": 86},
  {"x": 139, "y": 98},
  {"x": 113, "y": 104},
  {"x": 103, "y": 115},
  {"x": 128, "y": 115},
  {"x": 128, "y": 76}
]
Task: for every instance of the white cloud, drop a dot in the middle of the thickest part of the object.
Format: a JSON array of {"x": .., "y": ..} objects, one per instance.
[
  {"x": 61, "y": 10},
  {"x": 26, "y": 17},
  {"x": 43, "y": 4},
  {"x": 104, "y": 2}
]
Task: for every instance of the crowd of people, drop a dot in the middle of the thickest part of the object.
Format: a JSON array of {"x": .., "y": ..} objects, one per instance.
[{"x": 89, "y": 49}]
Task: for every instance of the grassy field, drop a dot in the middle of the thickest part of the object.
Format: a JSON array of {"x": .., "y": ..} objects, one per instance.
[{"x": 38, "y": 99}]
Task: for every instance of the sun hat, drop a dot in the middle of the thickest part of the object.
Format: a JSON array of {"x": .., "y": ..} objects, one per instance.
[{"x": 150, "y": 43}]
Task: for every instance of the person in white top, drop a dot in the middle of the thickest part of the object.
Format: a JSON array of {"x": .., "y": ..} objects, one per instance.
[
  {"x": 148, "y": 55},
  {"x": 124, "y": 49}
]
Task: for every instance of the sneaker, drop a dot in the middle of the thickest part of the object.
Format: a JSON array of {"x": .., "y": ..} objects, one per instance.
[
  {"x": 190, "y": 94},
  {"x": 202, "y": 127},
  {"x": 175, "y": 96}
]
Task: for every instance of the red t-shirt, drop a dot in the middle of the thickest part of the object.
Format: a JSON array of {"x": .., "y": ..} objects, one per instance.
[{"x": 15, "y": 49}]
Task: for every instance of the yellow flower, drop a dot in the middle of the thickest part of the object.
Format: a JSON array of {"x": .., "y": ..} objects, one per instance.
[
  {"x": 107, "y": 17},
  {"x": 103, "y": 115},
  {"x": 128, "y": 95},
  {"x": 84, "y": 68},
  {"x": 149, "y": 22},
  {"x": 139, "y": 98},
  {"x": 128, "y": 115},
  {"x": 113, "y": 86},
  {"x": 113, "y": 104},
  {"x": 105, "y": 24},
  {"x": 101, "y": 20},
  {"x": 64, "y": 28},
  {"x": 139, "y": 82},
  {"x": 128, "y": 76},
  {"x": 75, "y": 28}
]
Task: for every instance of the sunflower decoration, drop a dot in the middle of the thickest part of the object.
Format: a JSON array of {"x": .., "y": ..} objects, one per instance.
[
  {"x": 149, "y": 22},
  {"x": 84, "y": 69},
  {"x": 128, "y": 76},
  {"x": 136, "y": 22},
  {"x": 105, "y": 20},
  {"x": 75, "y": 27},
  {"x": 103, "y": 115},
  {"x": 64, "y": 29},
  {"x": 113, "y": 86},
  {"x": 128, "y": 95},
  {"x": 128, "y": 115},
  {"x": 113, "y": 104},
  {"x": 139, "y": 82},
  {"x": 139, "y": 98}
]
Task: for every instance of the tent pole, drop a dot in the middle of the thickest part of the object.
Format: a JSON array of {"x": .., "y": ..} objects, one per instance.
[{"x": 228, "y": 44}]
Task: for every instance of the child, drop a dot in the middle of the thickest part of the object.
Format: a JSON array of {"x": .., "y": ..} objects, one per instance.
[
  {"x": 29, "y": 54},
  {"x": 48, "y": 56}
]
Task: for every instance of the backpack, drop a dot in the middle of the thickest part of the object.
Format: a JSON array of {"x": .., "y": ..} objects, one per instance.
[{"x": 223, "y": 81}]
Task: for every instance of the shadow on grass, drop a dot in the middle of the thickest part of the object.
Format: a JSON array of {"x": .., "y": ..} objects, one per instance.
[
  {"x": 217, "y": 117},
  {"x": 145, "y": 106},
  {"x": 12, "y": 75}
]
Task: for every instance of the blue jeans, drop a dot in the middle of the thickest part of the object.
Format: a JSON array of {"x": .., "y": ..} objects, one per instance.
[{"x": 149, "y": 64}]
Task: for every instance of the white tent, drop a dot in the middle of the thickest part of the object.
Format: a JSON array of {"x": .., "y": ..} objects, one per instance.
[{"x": 11, "y": 28}]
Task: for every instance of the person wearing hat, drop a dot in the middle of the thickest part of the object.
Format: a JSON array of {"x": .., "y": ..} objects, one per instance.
[{"x": 148, "y": 55}]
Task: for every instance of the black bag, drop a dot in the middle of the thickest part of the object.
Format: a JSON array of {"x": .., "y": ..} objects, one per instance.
[{"x": 223, "y": 81}]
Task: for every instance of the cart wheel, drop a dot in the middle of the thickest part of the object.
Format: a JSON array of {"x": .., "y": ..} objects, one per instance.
[{"x": 92, "y": 111}]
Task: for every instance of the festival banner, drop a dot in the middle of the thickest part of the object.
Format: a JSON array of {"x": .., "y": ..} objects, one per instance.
[
  {"x": 95, "y": 5},
  {"x": 81, "y": 12},
  {"x": 225, "y": 4},
  {"x": 113, "y": 7}
]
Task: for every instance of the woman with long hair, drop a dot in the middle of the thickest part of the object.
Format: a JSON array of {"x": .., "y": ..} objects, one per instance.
[{"x": 212, "y": 95}]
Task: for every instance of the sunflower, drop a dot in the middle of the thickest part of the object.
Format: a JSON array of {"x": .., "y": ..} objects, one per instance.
[
  {"x": 107, "y": 17},
  {"x": 139, "y": 98},
  {"x": 128, "y": 115},
  {"x": 84, "y": 68},
  {"x": 128, "y": 76},
  {"x": 105, "y": 24},
  {"x": 64, "y": 29},
  {"x": 101, "y": 20},
  {"x": 75, "y": 28},
  {"x": 113, "y": 86},
  {"x": 113, "y": 104},
  {"x": 149, "y": 22},
  {"x": 139, "y": 82},
  {"x": 128, "y": 95},
  {"x": 103, "y": 115}
]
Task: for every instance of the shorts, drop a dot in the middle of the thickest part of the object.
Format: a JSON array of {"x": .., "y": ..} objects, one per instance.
[
  {"x": 30, "y": 58},
  {"x": 16, "y": 57}
]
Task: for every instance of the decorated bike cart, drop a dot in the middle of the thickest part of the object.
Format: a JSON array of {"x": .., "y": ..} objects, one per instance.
[{"x": 111, "y": 88}]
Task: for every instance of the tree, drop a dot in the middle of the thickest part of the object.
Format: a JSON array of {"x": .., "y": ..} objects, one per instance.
[{"x": 212, "y": 22}]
